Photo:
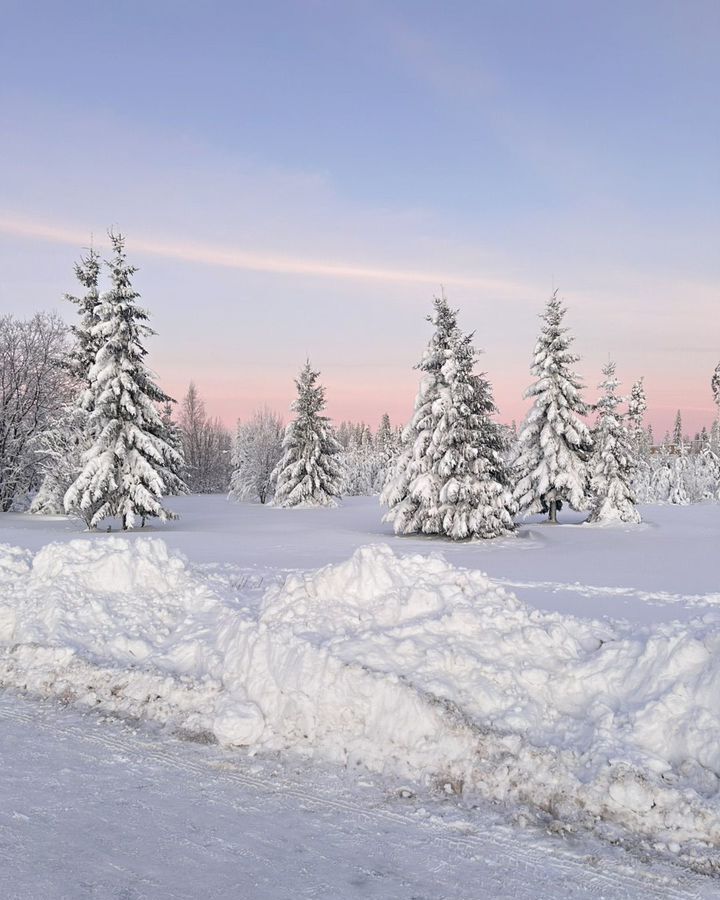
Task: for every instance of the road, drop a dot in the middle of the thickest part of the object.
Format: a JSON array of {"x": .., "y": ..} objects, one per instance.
[{"x": 92, "y": 807}]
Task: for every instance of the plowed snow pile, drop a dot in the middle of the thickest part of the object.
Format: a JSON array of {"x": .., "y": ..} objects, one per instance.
[{"x": 402, "y": 664}]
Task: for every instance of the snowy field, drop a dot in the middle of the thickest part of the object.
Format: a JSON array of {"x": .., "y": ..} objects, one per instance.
[{"x": 303, "y": 684}]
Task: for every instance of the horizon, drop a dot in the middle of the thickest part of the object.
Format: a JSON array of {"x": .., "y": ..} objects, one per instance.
[{"x": 304, "y": 190}]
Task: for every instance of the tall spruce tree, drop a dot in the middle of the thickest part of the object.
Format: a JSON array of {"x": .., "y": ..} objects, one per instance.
[
  {"x": 450, "y": 477},
  {"x": 554, "y": 442},
  {"x": 131, "y": 461},
  {"x": 715, "y": 386},
  {"x": 308, "y": 473},
  {"x": 613, "y": 461}
]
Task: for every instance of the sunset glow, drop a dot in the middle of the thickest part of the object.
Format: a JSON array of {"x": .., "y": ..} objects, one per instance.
[{"x": 301, "y": 202}]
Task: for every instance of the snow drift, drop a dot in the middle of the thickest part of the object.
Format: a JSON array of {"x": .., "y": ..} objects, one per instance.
[{"x": 402, "y": 664}]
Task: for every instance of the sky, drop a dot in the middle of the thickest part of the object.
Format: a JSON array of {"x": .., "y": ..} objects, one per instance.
[{"x": 299, "y": 178}]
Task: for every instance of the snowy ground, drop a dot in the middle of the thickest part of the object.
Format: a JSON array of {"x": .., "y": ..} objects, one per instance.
[
  {"x": 99, "y": 808},
  {"x": 576, "y": 690},
  {"x": 661, "y": 570}
]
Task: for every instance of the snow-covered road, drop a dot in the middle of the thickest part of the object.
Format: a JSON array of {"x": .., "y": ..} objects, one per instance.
[{"x": 98, "y": 808}]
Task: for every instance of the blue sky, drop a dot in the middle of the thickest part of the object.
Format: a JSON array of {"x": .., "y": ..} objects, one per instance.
[{"x": 298, "y": 178}]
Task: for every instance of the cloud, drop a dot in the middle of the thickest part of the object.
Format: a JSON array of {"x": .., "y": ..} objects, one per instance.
[{"x": 229, "y": 257}]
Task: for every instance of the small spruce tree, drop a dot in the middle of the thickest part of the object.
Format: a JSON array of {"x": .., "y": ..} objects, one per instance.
[
  {"x": 385, "y": 437},
  {"x": 554, "y": 443},
  {"x": 613, "y": 460},
  {"x": 637, "y": 406},
  {"x": 308, "y": 473},
  {"x": 677, "y": 436}
]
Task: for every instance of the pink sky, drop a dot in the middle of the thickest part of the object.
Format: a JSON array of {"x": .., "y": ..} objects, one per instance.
[
  {"x": 299, "y": 179},
  {"x": 241, "y": 325}
]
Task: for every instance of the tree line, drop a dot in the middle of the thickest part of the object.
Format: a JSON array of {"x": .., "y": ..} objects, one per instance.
[{"x": 85, "y": 430}]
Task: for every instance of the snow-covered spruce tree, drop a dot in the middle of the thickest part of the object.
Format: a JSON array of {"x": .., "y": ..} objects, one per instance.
[
  {"x": 63, "y": 447},
  {"x": 258, "y": 448},
  {"x": 385, "y": 437},
  {"x": 677, "y": 435},
  {"x": 714, "y": 442},
  {"x": 450, "y": 478},
  {"x": 387, "y": 446},
  {"x": 554, "y": 442},
  {"x": 309, "y": 472},
  {"x": 172, "y": 435},
  {"x": 637, "y": 406},
  {"x": 641, "y": 442},
  {"x": 87, "y": 341},
  {"x": 715, "y": 385},
  {"x": 613, "y": 459},
  {"x": 131, "y": 462}
]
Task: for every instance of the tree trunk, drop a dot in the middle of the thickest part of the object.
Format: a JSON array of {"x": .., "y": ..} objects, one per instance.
[{"x": 553, "y": 512}]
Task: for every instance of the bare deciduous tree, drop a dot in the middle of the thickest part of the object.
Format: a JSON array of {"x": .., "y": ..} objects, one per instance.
[
  {"x": 257, "y": 450},
  {"x": 206, "y": 447},
  {"x": 34, "y": 388}
]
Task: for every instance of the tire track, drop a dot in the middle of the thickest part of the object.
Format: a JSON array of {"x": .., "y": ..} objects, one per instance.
[{"x": 605, "y": 877}]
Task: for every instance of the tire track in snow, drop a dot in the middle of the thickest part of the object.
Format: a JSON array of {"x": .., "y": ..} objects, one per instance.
[{"x": 616, "y": 877}]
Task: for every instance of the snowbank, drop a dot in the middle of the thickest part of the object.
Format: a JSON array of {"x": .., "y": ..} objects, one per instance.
[{"x": 402, "y": 664}]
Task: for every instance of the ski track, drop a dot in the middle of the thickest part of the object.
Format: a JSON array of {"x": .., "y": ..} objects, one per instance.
[
  {"x": 527, "y": 860},
  {"x": 250, "y": 583},
  {"x": 661, "y": 598}
]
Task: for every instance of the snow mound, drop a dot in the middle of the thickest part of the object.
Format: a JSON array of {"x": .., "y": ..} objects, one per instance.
[{"x": 405, "y": 664}]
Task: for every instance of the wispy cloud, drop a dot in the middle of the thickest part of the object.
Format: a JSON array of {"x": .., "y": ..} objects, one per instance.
[{"x": 229, "y": 257}]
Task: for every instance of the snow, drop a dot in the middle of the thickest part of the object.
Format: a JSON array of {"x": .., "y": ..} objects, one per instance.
[
  {"x": 662, "y": 570},
  {"x": 97, "y": 807},
  {"x": 409, "y": 664}
]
